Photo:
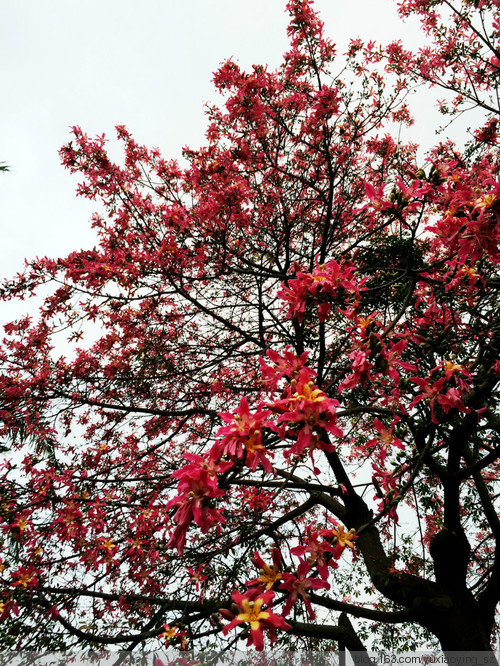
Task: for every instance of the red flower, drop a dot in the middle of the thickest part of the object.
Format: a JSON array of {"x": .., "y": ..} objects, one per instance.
[
  {"x": 342, "y": 538},
  {"x": 26, "y": 577},
  {"x": 268, "y": 575},
  {"x": 6, "y": 608},
  {"x": 251, "y": 604},
  {"x": 173, "y": 636}
]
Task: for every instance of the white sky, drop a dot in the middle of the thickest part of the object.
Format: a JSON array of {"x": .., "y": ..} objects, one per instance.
[{"x": 146, "y": 64}]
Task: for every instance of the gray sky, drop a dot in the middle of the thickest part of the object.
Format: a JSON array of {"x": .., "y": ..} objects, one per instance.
[{"x": 146, "y": 64}]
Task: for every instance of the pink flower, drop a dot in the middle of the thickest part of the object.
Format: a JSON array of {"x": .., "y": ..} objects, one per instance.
[
  {"x": 286, "y": 365},
  {"x": 386, "y": 487},
  {"x": 376, "y": 197},
  {"x": 197, "y": 576},
  {"x": 197, "y": 483},
  {"x": 296, "y": 295},
  {"x": 361, "y": 370},
  {"x": 242, "y": 437},
  {"x": 316, "y": 551},
  {"x": 429, "y": 393},
  {"x": 309, "y": 408},
  {"x": 386, "y": 438},
  {"x": 449, "y": 400},
  {"x": 298, "y": 586},
  {"x": 452, "y": 400},
  {"x": 200, "y": 467},
  {"x": 321, "y": 287}
]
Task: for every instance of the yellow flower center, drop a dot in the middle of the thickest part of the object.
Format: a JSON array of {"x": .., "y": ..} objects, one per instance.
[
  {"x": 344, "y": 538},
  {"x": 485, "y": 202},
  {"x": 252, "y": 613},
  {"x": 469, "y": 270},
  {"x": 452, "y": 366},
  {"x": 169, "y": 633},
  {"x": 25, "y": 579},
  {"x": 386, "y": 436},
  {"x": 309, "y": 393},
  {"x": 251, "y": 442},
  {"x": 22, "y": 523},
  {"x": 268, "y": 576}
]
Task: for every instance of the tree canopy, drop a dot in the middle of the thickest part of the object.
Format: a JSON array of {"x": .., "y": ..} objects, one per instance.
[{"x": 262, "y": 407}]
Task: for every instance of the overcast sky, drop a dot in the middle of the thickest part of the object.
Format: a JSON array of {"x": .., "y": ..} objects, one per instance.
[{"x": 146, "y": 64}]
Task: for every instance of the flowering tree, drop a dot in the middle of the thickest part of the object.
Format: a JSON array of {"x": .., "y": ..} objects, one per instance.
[{"x": 271, "y": 385}]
